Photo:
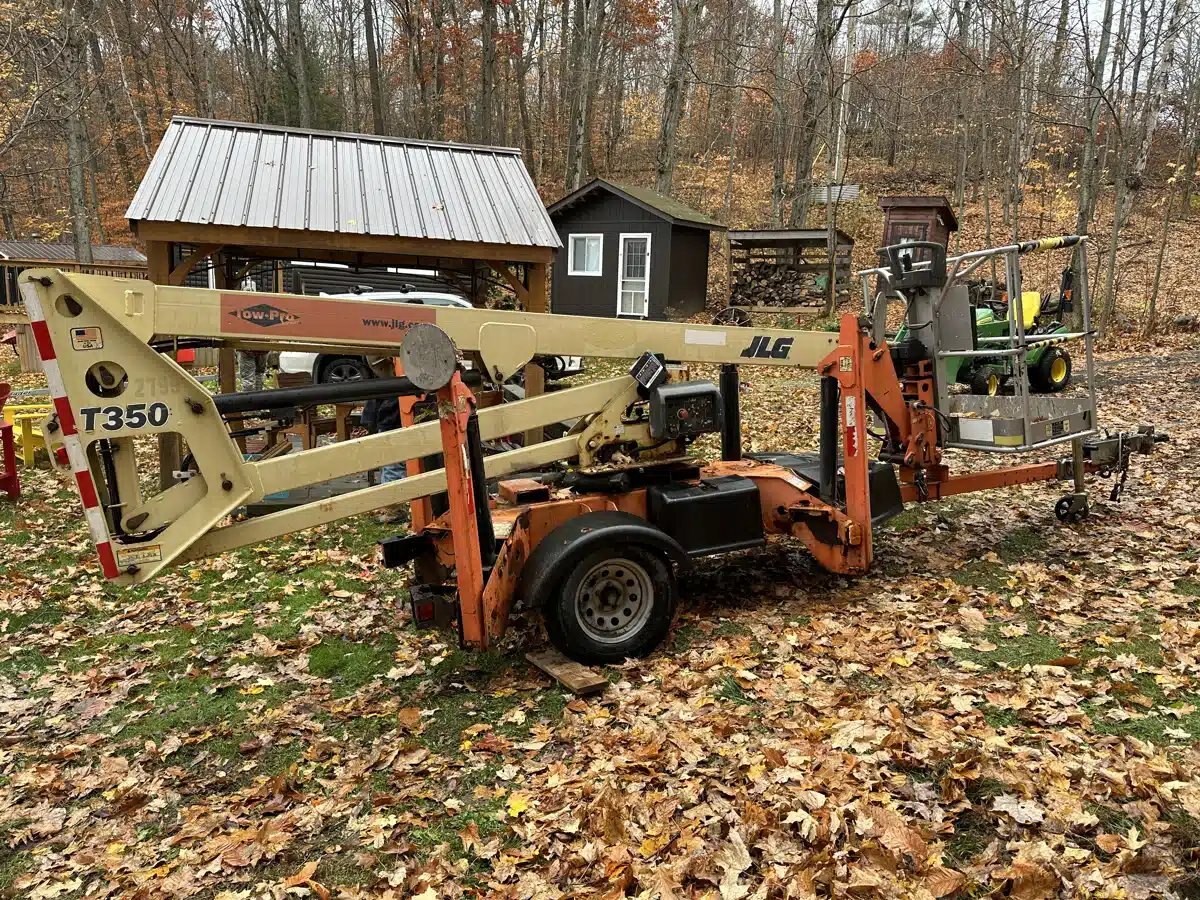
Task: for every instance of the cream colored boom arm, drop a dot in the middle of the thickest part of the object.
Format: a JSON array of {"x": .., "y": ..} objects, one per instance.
[
  {"x": 112, "y": 388},
  {"x": 506, "y": 339}
]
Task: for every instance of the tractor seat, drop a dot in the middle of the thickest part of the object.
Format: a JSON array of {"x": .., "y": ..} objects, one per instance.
[{"x": 1031, "y": 307}]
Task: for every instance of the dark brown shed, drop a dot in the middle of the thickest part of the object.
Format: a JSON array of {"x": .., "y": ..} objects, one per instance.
[{"x": 629, "y": 252}]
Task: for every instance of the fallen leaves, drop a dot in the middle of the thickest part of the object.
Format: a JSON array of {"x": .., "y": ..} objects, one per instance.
[
  {"x": 1026, "y": 812},
  {"x": 965, "y": 720}
]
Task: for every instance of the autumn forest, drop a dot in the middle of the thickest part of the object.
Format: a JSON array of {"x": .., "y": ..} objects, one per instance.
[{"x": 1060, "y": 114}]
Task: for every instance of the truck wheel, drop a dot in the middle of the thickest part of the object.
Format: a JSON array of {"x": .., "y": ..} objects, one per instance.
[
  {"x": 342, "y": 369},
  {"x": 1052, "y": 372},
  {"x": 616, "y": 602}
]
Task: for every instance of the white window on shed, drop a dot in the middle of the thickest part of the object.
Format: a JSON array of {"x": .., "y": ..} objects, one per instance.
[{"x": 585, "y": 254}]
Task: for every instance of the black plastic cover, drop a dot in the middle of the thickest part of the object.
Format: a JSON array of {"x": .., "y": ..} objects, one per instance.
[
  {"x": 714, "y": 516},
  {"x": 685, "y": 409}
]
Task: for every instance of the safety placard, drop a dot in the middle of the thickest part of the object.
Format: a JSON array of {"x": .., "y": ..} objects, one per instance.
[
  {"x": 87, "y": 338},
  {"x": 140, "y": 555}
]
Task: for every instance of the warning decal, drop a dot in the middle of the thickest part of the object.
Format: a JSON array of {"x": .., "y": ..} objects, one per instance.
[{"x": 87, "y": 338}]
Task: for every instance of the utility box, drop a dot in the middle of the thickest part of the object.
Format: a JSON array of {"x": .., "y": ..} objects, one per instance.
[{"x": 911, "y": 218}]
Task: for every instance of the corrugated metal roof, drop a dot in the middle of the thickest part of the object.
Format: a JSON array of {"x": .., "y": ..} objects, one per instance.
[
  {"x": 756, "y": 237},
  {"x": 209, "y": 172},
  {"x": 835, "y": 193},
  {"x": 42, "y": 250},
  {"x": 652, "y": 201}
]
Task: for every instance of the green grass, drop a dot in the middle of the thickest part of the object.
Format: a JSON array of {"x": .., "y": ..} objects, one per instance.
[
  {"x": 999, "y": 718},
  {"x": 973, "y": 832},
  {"x": 182, "y": 705},
  {"x": 728, "y": 689},
  {"x": 351, "y": 664},
  {"x": 1189, "y": 587},
  {"x": 1031, "y": 649},
  {"x": 1151, "y": 725},
  {"x": 1113, "y": 819},
  {"x": 980, "y": 573},
  {"x": 685, "y": 636},
  {"x": 726, "y": 628},
  {"x": 1185, "y": 828},
  {"x": 1021, "y": 544}
]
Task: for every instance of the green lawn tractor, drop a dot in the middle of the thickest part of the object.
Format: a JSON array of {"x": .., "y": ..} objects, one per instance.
[{"x": 1049, "y": 363}]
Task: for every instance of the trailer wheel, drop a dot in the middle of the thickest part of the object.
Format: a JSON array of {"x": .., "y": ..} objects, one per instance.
[
  {"x": 1052, "y": 372},
  {"x": 615, "y": 603},
  {"x": 597, "y": 568}
]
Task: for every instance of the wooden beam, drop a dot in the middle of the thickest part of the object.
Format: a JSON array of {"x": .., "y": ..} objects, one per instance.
[
  {"x": 273, "y": 239},
  {"x": 535, "y": 376},
  {"x": 186, "y": 265},
  {"x": 539, "y": 301},
  {"x": 170, "y": 446},
  {"x": 158, "y": 261},
  {"x": 575, "y": 677},
  {"x": 502, "y": 269}
]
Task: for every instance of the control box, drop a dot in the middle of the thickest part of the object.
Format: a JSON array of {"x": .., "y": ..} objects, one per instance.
[{"x": 685, "y": 409}]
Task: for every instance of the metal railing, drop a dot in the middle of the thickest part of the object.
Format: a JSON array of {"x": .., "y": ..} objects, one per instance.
[{"x": 1012, "y": 347}]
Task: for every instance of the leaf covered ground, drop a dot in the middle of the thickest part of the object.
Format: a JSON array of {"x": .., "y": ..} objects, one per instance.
[{"x": 1006, "y": 706}]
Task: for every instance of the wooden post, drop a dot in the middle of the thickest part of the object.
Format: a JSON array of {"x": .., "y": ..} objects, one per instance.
[
  {"x": 226, "y": 363},
  {"x": 170, "y": 446},
  {"x": 535, "y": 375}
]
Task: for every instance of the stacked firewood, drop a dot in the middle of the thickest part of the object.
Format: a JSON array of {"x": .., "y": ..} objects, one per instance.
[{"x": 768, "y": 283}]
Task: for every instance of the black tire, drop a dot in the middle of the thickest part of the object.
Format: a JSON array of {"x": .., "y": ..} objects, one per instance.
[
  {"x": 986, "y": 384},
  {"x": 615, "y": 603},
  {"x": 343, "y": 369},
  {"x": 1052, "y": 372}
]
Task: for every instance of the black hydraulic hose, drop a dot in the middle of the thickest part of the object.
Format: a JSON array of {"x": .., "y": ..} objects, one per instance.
[
  {"x": 731, "y": 421},
  {"x": 311, "y": 394},
  {"x": 483, "y": 514},
  {"x": 829, "y": 438},
  {"x": 110, "y": 482}
]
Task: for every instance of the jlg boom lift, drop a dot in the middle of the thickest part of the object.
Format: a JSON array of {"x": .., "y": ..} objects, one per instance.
[{"x": 595, "y": 543}]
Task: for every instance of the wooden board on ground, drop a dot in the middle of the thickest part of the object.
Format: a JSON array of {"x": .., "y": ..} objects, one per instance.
[{"x": 575, "y": 677}]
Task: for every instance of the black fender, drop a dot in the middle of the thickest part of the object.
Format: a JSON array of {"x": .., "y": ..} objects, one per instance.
[{"x": 558, "y": 551}]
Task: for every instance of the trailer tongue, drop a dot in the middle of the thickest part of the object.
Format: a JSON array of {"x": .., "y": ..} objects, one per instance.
[{"x": 596, "y": 544}]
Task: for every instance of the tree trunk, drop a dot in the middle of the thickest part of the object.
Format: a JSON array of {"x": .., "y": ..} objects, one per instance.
[
  {"x": 1149, "y": 321},
  {"x": 487, "y": 99},
  {"x": 683, "y": 13},
  {"x": 779, "y": 135},
  {"x": 373, "y": 76},
  {"x": 814, "y": 103},
  {"x": 1087, "y": 169},
  {"x": 297, "y": 52}
]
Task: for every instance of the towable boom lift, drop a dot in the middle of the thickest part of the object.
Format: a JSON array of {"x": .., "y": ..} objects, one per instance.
[{"x": 595, "y": 544}]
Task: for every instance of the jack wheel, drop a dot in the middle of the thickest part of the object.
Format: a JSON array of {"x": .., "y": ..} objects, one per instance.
[{"x": 1071, "y": 509}]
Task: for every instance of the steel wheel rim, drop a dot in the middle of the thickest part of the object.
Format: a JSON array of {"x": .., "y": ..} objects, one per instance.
[
  {"x": 342, "y": 373},
  {"x": 1058, "y": 370},
  {"x": 614, "y": 600}
]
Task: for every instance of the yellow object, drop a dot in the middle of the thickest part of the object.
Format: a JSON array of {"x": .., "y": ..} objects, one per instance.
[
  {"x": 26, "y": 420},
  {"x": 1031, "y": 307},
  {"x": 1058, "y": 370}
]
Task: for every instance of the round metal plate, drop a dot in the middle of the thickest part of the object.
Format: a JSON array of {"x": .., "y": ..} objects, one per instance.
[
  {"x": 428, "y": 356},
  {"x": 614, "y": 600}
]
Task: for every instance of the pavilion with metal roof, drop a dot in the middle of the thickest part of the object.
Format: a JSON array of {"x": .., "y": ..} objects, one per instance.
[
  {"x": 241, "y": 191},
  {"x": 235, "y": 196}
]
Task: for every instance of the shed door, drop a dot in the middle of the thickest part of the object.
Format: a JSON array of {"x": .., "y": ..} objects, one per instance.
[{"x": 633, "y": 276}]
